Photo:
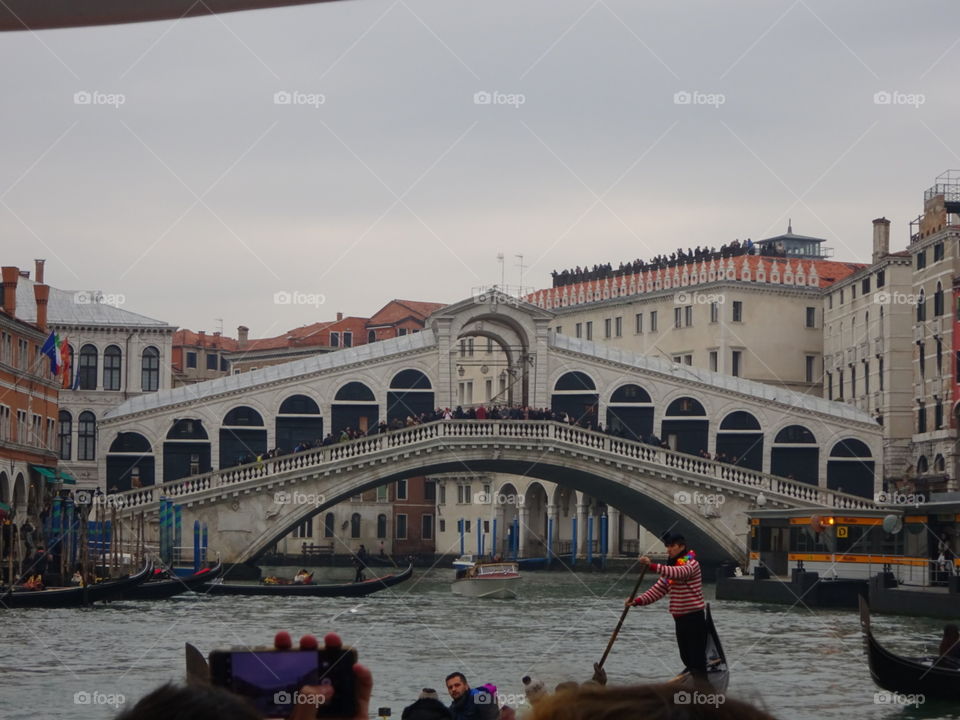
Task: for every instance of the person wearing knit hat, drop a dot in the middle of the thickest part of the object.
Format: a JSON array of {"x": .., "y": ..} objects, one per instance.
[
  {"x": 427, "y": 707},
  {"x": 533, "y": 688}
]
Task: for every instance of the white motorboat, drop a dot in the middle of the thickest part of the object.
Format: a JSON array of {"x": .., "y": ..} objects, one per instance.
[{"x": 486, "y": 580}]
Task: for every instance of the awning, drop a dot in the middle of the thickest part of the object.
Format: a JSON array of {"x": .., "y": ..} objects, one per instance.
[{"x": 55, "y": 476}]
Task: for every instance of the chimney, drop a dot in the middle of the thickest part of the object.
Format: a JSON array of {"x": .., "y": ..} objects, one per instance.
[
  {"x": 339, "y": 316},
  {"x": 242, "y": 332},
  {"x": 38, "y": 272},
  {"x": 202, "y": 338},
  {"x": 11, "y": 276},
  {"x": 41, "y": 293},
  {"x": 881, "y": 239}
]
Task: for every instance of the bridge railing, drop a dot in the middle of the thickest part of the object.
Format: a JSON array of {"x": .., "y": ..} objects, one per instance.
[{"x": 533, "y": 429}]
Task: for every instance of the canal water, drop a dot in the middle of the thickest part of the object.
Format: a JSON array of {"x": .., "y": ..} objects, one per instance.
[{"x": 795, "y": 662}]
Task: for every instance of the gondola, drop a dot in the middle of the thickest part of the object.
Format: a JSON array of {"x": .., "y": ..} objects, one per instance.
[
  {"x": 73, "y": 596},
  {"x": 167, "y": 588},
  {"x": 907, "y": 676},
  {"x": 345, "y": 590},
  {"x": 718, "y": 673}
]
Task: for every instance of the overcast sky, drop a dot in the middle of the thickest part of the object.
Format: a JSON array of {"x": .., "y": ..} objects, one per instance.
[{"x": 180, "y": 180}]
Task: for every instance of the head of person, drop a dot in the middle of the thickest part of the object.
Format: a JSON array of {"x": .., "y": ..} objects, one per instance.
[
  {"x": 650, "y": 702},
  {"x": 457, "y": 685},
  {"x": 196, "y": 701},
  {"x": 675, "y": 545}
]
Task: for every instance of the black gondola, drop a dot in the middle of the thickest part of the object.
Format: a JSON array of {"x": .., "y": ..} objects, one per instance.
[
  {"x": 167, "y": 588},
  {"x": 294, "y": 590},
  {"x": 907, "y": 676},
  {"x": 718, "y": 673},
  {"x": 73, "y": 596}
]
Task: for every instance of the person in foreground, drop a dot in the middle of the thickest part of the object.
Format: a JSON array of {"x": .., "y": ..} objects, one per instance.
[
  {"x": 469, "y": 704},
  {"x": 680, "y": 577}
]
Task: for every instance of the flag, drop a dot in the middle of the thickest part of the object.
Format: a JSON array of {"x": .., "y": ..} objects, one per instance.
[
  {"x": 51, "y": 348},
  {"x": 65, "y": 365}
]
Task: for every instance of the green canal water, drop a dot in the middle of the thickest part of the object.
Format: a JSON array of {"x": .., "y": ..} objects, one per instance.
[{"x": 795, "y": 662}]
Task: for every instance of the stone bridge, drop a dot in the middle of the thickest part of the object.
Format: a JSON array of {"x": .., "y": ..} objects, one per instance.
[{"x": 248, "y": 508}]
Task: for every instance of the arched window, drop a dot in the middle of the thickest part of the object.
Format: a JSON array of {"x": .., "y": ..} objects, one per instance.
[
  {"x": 922, "y": 466},
  {"x": 354, "y": 391},
  {"x": 243, "y": 416},
  {"x": 371, "y": 336},
  {"x": 112, "y": 362},
  {"x": 685, "y": 406},
  {"x": 939, "y": 464},
  {"x": 150, "y": 370},
  {"x": 938, "y": 301},
  {"x": 328, "y": 528},
  {"x": 921, "y": 306},
  {"x": 87, "y": 436},
  {"x": 355, "y": 525},
  {"x": 630, "y": 394},
  {"x": 87, "y": 367},
  {"x": 381, "y": 526},
  {"x": 65, "y": 435},
  {"x": 795, "y": 434},
  {"x": 575, "y": 381},
  {"x": 299, "y": 405}
]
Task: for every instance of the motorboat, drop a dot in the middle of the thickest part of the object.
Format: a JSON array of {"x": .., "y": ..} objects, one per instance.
[{"x": 497, "y": 580}]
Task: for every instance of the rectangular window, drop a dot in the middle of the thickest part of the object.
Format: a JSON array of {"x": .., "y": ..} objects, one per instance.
[
  {"x": 443, "y": 494},
  {"x": 618, "y": 327},
  {"x": 678, "y": 359},
  {"x": 488, "y": 388},
  {"x": 737, "y": 311},
  {"x": 921, "y": 259},
  {"x": 558, "y": 329},
  {"x": 938, "y": 415},
  {"x": 921, "y": 418},
  {"x": 811, "y": 317},
  {"x": 938, "y": 252},
  {"x": 880, "y": 374},
  {"x": 224, "y": 365},
  {"x": 736, "y": 368},
  {"x": 401, "y": 526},
  {"x": 830, "y": 301},
  {"x": 607, "y": 324},
  {"x": 469, "y": 347},
  {"x": 112, "y": 360},
  {"x": 401, "y": 489},
  {"x": 841, "y": 296},
  {"x": 678, "y": 317},
  {"x": 865, "y": 285},
  {"x": 191, "y": 359},
  {"x": 688, "y": 316},
  {"x": 810, "y": 362},
  {"x": 688, "y": 359},
  {"x": 829, "y": 386},
  {"x": 923, "y": 359},
  {"x": 383, "y": 493},
  {"x": 866, "y": 378},
  {"x": 853, "y": 292},
  {"x": 348, "y": 339},
  {"x": 881, "y": 278},
  {"x": 426, "y": 527},
  {"x": 401, "y": 332},
  {"x": 490, "y": 344},
  {"x": 466, "y": 526},
  {"x": 840, "y": 384},
  {"x": 443, "y": 525},
  {"x": 304, "y": 529},
  {"x": 211, "y": 362},
  {"x": 430, "y": 490},
  {"x": 853, "y": 381},
  {"x": 589, "y": 330},
  {"x": 653, "y": 321},
  {"x": 578, "y": 328},
  {"x": 714, "y": 312},
  {"x": 459, "y": 494},
  {"x": 334, "y": 339},
  {"x": 713, "y": 360},
  {"x": 638, "y": 319}
]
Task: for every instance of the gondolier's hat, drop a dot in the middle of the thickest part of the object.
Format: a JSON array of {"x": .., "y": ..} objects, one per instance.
[{"x": 670, "y": 538}]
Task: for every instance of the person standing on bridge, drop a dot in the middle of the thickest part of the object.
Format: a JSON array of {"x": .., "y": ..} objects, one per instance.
[{"x": 680, "y": 576}]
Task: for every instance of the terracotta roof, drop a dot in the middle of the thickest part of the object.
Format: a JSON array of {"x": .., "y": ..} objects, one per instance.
[
  {"x": 311, "y": 335},
  {"x": 397, "y": 310},
  {"x": 188, "y": 338}
]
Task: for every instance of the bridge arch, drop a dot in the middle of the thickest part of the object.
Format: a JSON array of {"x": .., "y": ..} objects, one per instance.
[
  {"x": 19, "y": 494},
  {"x": 130, "y": 462},
  {"x": 685, "y": 426},
  {"x": 740, "y": 436},
  {"x": 354, "y": 406},
  {"x": 851, "y": 468},
  {"x": 796, "y": 454},
  {"x": 186, "y": 449},
  {"x": 630, "y": 412},
  {"x": 575, "y": 393},
  {"x": 243, "y": 436},
  {"x": 410, "y": 394},
  {"x": 298, "y": 420}
]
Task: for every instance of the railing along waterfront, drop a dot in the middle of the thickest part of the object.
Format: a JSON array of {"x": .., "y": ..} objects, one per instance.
[{"x": 566, "y": 437}]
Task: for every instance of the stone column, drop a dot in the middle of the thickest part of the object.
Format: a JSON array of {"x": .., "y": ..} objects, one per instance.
[
  {"x": 524, "y": 513},
  {"x": 613, "y": 531},
  {"x": 581, "y": 549},
  {"x": 552, "y": 530}
]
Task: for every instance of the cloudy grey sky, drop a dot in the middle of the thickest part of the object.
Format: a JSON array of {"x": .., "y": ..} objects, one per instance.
[{"x": 201, "y": 195}]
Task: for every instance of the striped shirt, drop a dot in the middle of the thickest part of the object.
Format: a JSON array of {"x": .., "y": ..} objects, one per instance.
[{"x": 683, "y": 582}]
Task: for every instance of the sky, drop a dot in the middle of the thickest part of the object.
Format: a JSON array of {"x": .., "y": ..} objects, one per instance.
[{"x": 340, "y": 155}]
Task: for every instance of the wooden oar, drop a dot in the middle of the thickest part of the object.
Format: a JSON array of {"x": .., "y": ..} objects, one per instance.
[{"x": 623, "y": 616}]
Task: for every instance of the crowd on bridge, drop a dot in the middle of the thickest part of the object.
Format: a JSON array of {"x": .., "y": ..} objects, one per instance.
[{"x": 662, "y": 262}]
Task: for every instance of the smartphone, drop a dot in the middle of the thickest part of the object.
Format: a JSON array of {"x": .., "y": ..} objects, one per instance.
[{"x": 271, "y": 679}]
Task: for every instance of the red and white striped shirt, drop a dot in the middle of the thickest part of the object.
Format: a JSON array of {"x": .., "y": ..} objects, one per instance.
[{"x": 683, "y": 582}]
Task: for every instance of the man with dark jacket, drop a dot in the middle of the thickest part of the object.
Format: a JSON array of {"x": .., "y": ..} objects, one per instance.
[
  {"x": 470, "y": 704},
  {"x": 427, "y": 707}
]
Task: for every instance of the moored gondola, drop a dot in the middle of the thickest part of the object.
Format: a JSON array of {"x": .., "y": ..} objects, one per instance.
[
  {"x": 73, "y": 596},
  {"x": 167, "y": 588},
  {"x": 303, "y": 590},
  {"x": 907, "y": 676}
]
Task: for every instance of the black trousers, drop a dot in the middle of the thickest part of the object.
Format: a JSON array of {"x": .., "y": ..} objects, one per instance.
[{"x": 692, "y": 642}]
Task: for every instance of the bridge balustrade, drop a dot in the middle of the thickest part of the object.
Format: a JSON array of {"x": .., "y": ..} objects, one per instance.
[{"x": 533, "y": 429}]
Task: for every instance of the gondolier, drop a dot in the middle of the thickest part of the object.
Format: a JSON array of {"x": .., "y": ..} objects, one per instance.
[{"x": 680, "y": 576}]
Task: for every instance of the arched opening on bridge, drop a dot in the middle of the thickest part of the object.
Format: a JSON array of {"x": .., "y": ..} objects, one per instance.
[
  {"x": 535, "y": 533},
  {"x": 354, "y": 407},
  {"x": 795, "y": 455},
  {"x": 575, "y": 393},
  {"x": 740, "y": 440},
  {"x": 630, "y": 413},
  {"x": 242, "y": 437},
  {"x": 298, "y": 421},
  {"x": 685, "y": 427},
  {"x": 507, "y": 514},
  {"x": 130, "y": 463},
  {"x": 491, "y": 361},
  {"x": 850, "y": 468},
  {"x": 186, "y": 450},
  {"x": 410, "y": 395}
]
